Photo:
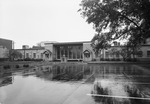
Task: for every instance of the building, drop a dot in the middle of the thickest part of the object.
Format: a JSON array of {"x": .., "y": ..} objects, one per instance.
[
  {"x": 77, "y": 51},
  {"x": 142, "y": 54},
  {"x": 62, "y": 51},
  {"x": 5, "y": 46}
]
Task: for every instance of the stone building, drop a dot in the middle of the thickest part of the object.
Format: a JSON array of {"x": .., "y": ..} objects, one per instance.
[
  {"x": 77, "y": 51},
  {"x": 60, "y": 51}
]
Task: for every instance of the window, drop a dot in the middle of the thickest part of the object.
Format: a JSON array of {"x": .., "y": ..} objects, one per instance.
[
  {"x": 107, "y": 54},
  {"x": 34, "y": 55},
  {"x": 70, "y": 54},
  {"x": 41, "y": 55},
  {"x": 27, "y": 55},
  {"x": 148, "y": 53},
  {"x": 117, "y": 55},
  {"x": 139, "y": 53}
]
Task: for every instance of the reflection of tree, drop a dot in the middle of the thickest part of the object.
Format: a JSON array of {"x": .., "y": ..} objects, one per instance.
[
  {"x": 103, "y": 94},
  {"x": 5, "y": 81},
  {"x": 101, "y": 91}
]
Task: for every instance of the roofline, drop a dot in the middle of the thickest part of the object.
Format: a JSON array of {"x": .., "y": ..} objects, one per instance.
[
  {"x": 6, "y": 39},
  {"x": 66, "y": 43},
  {"x": 30, "y": 49}
]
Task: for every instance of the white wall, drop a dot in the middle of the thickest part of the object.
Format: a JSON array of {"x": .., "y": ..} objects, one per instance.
[
  {"x": 50, "y": 48},
  {"x": 87, "y": 46}
]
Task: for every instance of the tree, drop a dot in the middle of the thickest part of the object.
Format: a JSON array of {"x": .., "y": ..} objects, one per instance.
[
  {"x": 99, "y": 42},
  {"x": 12, "y": 54},
  {"x": 124, "y": 19}
]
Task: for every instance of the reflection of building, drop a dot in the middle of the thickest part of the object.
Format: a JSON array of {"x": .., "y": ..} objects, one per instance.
[
  {"x": 68, "y": 51},
  {"x": 5, "y": 46},
  {"x": 63, "y": 72}
]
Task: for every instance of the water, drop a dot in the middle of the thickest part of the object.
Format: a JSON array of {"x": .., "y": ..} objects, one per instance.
[{"x": 76, "y": 84}]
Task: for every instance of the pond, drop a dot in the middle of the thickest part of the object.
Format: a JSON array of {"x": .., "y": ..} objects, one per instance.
[{"x": 76, "y": 84}]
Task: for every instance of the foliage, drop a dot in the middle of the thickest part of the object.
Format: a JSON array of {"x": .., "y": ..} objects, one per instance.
[
  {"x": 12, "y": 54},
  {"x": 26, "y": 65},
  {"x": 129, "y": 50},
  {"x": 99, "y": 42},
  {"x": 125, "y": 19},
  {"x": 6, "y": 66},
  {"x": 114, "y": 51},
  {"x": 17, "y": 66}
]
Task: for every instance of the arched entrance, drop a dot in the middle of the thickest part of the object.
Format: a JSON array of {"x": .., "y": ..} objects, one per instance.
[
  {"x": 47, "y": 55},
  {"x": 87, "y": 55}
]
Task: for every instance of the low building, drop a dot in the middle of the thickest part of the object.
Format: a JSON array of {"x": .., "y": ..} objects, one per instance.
[
  {"x": 77, "y": 51},
  {"x": 62, "y": 51},
  {"x": 142, "y": 53}
]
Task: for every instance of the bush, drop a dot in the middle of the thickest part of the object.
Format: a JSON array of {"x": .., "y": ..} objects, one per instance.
[
  {"x": 17, "y": 66},
  {"x": 20, "y": 60},
  {"x": 29, "y": 59},
  {"x": 118, "y": 59},
  {"x": 38, "y": 59},
  {"x": 6, "y": 66},
  {"x": 102, "y": 59},
  {"x": 131, "y": 59},
  {"x": 3, "y": 59},
  {"x": 113, "y": 59},
  {"x": 26, "y": 65},
  {"x": 107, "y": 59},
  {"x": 93, "y": 59}
]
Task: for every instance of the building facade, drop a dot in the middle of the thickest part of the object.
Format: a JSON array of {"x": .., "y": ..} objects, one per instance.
[
  {"x": 5, "y": 46},
  {"x": 78, "y": 51},
  {"x": 67, "y": 51}
]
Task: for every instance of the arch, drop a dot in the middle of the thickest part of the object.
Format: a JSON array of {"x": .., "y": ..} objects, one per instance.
[
  {"x": 47, "y": 54},
  {"x": 87, "y": 53}
]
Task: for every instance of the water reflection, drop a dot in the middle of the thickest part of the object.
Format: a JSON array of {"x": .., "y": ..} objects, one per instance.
[
  {"x": 6, "y": 79},
  {"x": 112, "y": 84},
  {"x": 115, "y": 85},
  {"x": 63, "y": 72}
]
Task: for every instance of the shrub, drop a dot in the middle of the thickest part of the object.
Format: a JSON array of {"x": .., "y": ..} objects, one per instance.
[
  {"x": 107, "y": 59},
  {"x": 27, "y": 59},
  {"x": 113, "y": 59},
  {"x": 118, "y": 59},
  {"x": 17, "y": 66},
  {"x": 102, "y": 59},
  {"x": 131, "y": 59},
  {"x": 38, "y": 59},
  {"x": 20, "y": 60},
  {"x": 3, "y": 59},
  {"x": 93, "y": 59},
  {"x": 6, "y": 66},
  {"x": 26, "y": 65}
]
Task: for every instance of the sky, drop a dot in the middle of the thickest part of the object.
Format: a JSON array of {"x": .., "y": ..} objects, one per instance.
[{"x": 28, "y": 22}]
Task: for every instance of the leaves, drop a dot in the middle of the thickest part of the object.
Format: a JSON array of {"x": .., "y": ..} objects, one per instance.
[{"x": 123, "y": 18}]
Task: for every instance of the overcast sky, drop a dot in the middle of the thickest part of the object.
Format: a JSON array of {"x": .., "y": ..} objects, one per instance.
[{"x": 28, "y": 22}]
